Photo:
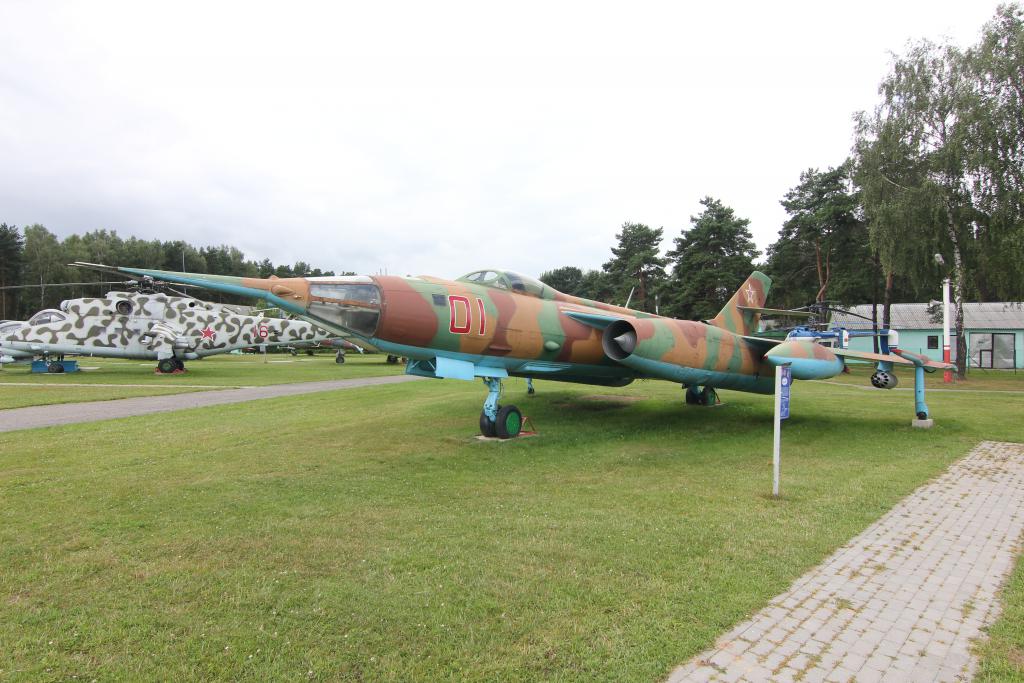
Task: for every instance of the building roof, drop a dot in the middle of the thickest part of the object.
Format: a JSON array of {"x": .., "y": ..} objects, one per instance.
[{"x": 995, "y": 315}]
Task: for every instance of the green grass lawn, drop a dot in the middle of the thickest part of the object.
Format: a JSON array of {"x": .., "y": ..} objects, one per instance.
[
  {"x": 218, "y": 371},
  {"x": 366, "y": 535}
]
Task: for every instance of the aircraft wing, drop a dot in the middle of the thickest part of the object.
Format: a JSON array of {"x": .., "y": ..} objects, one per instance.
[
  {"x": 871, "y": 357},
  {"x": 598, "y": 321},
  {"x": 928, "y": 364},
  {"x": 761, "y": 343}
]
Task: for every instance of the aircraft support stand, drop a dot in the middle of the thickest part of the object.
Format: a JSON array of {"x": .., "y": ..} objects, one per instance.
[{"x": 921, "y": 420}]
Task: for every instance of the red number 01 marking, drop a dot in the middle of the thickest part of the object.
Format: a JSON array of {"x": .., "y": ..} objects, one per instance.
[{"x": 460, "y": 315}]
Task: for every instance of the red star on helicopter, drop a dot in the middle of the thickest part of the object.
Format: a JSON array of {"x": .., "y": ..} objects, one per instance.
[{"x": 208, "y": 333}]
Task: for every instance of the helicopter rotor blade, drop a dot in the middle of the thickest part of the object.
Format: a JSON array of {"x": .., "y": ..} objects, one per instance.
[{"x": 66, "y": 284}]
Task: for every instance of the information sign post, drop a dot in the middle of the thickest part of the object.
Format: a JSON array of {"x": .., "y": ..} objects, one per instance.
[{"x": 783, "y": 379}]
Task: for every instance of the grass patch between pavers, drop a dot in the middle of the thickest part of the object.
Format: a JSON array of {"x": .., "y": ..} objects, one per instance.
[{"x": 366, "y": 535}]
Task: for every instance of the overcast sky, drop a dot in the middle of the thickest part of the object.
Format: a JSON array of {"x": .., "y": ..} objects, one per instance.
[{"x": 433, "y": 137}]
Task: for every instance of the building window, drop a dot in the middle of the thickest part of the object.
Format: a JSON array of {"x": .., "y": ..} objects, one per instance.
[{"x": 933, "y": 341}]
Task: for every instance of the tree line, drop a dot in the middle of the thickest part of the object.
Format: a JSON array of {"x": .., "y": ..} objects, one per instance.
[
  {"x": 34, "y": 273},
  {"x": 933, "y": 188}
]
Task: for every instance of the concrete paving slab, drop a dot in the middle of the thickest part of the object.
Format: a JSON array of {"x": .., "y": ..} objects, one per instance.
[{"x": 946, "y": 549}]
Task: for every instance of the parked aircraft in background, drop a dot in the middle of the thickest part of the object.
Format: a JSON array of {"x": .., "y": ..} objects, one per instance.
[
  {"x": 167, "y": 329},
  {"x": 492, "y": 324}
]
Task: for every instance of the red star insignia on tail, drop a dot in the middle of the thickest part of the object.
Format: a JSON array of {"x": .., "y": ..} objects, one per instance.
[
  {"x": 751, "y": 294},
  {"x": 208, "y": 333}
]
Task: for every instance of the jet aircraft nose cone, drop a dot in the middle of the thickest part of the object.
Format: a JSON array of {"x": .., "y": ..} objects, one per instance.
[{"x": 626, "y": 341}]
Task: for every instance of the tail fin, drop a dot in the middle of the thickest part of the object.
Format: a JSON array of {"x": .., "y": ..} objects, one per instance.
[{"x": 752, "y": 294}]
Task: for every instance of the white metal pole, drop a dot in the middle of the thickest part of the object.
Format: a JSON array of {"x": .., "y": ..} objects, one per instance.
[
  {"x": 778, "y": 431},
  {"x": 947, "y": 375}
]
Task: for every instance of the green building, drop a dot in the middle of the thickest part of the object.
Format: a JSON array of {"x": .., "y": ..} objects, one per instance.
[{"x": 994, "y": 331}]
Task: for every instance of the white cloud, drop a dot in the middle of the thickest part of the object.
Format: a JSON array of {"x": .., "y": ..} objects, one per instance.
[{"x": 431, "y": 137}]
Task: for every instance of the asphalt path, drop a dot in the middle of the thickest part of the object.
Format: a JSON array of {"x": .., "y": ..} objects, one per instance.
[{"x": 93, "y": 411}]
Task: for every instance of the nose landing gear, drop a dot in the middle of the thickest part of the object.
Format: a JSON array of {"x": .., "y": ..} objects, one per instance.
[{"x": 504, "y": 422}]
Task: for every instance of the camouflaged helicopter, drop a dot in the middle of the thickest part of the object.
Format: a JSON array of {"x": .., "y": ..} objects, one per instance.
[
  {"x": 493, "y": 324},
  {"x": 147, "y": 325}
]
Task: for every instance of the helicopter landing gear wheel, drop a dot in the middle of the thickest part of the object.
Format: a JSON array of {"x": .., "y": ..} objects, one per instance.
[
  {"x": 166, "y": 366},
  {"x": 55, "y": 367},
  {"x": 339, "y": 357}
]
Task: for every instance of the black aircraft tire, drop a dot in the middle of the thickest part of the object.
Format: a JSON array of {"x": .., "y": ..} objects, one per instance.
[
  {"x": 692, "y": 397},
  {"x": 392, "y": 360},
  {"x": 54, "y": 368},
  {"x": 179, "y": 364},
  {"x": 509, "y": 422},
  {"x": 339, "y": 358},
  {"x": 486, "y": 425},
  {"x": 167, "y": 365}
]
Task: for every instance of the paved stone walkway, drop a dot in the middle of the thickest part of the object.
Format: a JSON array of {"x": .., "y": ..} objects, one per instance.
[
  {"x": 70, "y": 413},
  {"x": 900, "y": 602}
]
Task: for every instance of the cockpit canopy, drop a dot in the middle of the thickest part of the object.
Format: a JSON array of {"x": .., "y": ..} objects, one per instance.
[
  {"x": 49, "y": 315},
  {"x": 510, "y": 280}
]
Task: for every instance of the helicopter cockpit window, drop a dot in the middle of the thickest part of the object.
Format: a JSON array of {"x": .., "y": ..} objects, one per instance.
[
  {"x": 353, "y": 306},
  {"x": 9, "y": 327},
  {"x": 50, "y": 315}
]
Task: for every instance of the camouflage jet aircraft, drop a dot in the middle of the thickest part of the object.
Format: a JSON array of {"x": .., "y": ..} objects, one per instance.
[
  {"x": 494, "y": 324},
  {"x": 168, "y": 329}
]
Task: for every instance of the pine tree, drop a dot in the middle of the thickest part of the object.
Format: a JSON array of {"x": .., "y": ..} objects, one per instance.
[
  {"x": 710, "y": 262},
  {"x": 637, "y": 265}
]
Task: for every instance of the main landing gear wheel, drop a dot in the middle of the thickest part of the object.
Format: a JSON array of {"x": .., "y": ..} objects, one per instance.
[
  {"x": 392, "y": 360},
  {"x": 167, "y": 365},
  {"x": 487, "y": 427},
  {"x": 339, "y": 358},
  {"x": 509, "y": 422},
  {"x": 55, "y": 367},
  {"x": 704, "y": 397},
  {"x": 179, "y": 364}
]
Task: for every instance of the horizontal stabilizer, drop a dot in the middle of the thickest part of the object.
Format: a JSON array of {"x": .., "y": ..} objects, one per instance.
[{"x": 776, "y": 311}]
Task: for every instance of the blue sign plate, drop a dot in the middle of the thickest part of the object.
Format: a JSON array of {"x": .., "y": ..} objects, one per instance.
[{"x": 787, "y": 380}]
